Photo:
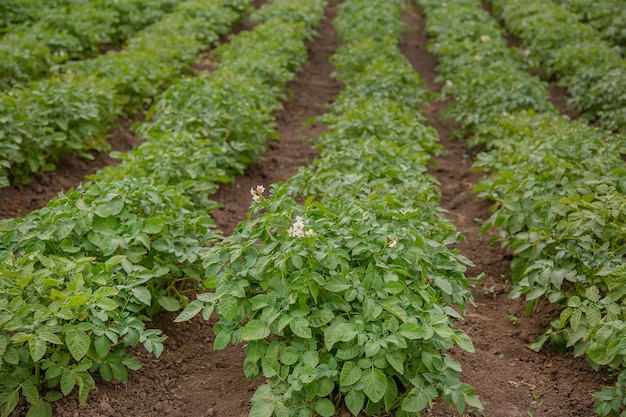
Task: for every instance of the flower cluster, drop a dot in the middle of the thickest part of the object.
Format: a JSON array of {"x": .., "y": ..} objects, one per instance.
[
  {"x": 297, "y": 229},
  {"x": 257, "y": 193}
]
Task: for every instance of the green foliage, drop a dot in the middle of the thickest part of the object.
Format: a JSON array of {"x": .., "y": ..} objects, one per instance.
[
  {"x": 590, "y": 68},
  {"x": 98, "y": 261},
  {"x": 70, "y": 113},
  {"x": 37, "y": 126},
  {"x": 14, "y": 12},
  {"x": 558, "y": 186},
  {"x": 74, "y": 31},
  {"x": 80, "y": 277},
  {"x": 346, "y": 297},
  {"x": 607, "y": 17},
  {"x": 482, "y": 74}
]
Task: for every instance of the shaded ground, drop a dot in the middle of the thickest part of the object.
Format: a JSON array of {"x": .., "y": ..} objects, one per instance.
[{"x": 190, "y": 379}]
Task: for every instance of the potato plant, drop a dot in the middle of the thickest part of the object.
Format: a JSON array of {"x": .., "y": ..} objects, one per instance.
[
  {"x": 15, "y": 12},
  {"x": 82, "y": 275},
  {"x": 591, "y": 69},
  {"x": 346, "y": 298},
  {"x": 607, "y": 17},
  {"x": 72, "y": 112},
  {"x": 76, "y": 31},
  {"x": 559, "y": 192}
]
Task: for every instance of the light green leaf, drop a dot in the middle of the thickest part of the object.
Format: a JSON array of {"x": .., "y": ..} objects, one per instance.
[
  {"x": 169, "y": 303},
  {"x": 324, "y": 407},
  {"x": 30, "y": 392},
  {"x": 463, "y": 341},
  {"x": 190, "y": 311},
  {"x": 415, "y": 402},
  {"x": 443, "y": 284},
  {"x": 222, "y": 339},
  {"x": 412, "y": 331},
  {"x": 40, "y": 409},
  {"x": 78, "y": 343},
  {"x": 350, "y": 374},
  {"x": 143, "y": 295},
  {"x": 341, "y": 332},
  {"x": 319, "y": 318},
  {"x": 355, "y": 401},
  {"x": 153, "y": 226},
  {"x": 396, "y": 360},
  {"x": 375, "y": 384},
  {"x": 37, "y": 348},
  {"x": 68, "y": 380},
  {"x": 300, "y": 326},
  {"x": 255, "y": 330},
  {"x": 593, "y": 294}
]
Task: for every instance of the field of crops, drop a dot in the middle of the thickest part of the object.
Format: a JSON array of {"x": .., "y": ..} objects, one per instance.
[{"x": 312, "y": 207}]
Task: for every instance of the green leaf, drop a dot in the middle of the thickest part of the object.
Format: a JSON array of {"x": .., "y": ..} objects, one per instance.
[
  {"x": 9, "y": 400},
  {"x": 355, "y": 401},
  {"x": 319, "y": 318},
  {"x": 535, "y": 293},
  {"x": 593, "y": 294},
  {"x": 68, "y": 380},
  {"x": 169, "y": 303},
  {"x": 131, "y": 363},
  {"x": 337, "y": 283},
  {"x": 222, "y": 339},
  {"x": 375, "y": 384},
  {"x": 396, "y": 360},
  {"x": 325, "y": 408},
  {"x": 153, "y": 226},
  {"x": 30, "y": 392},
  {"x": 341, "y": 332},
  {"x": 300, "y": 326},
  {"x": 78, "y": 343},
  {"x": 270, "y": 367},
  {"x": 443, "y": 284},
  {"x": 255, "y": 330},
  {"x": 4, "y": 342},
  {"x": 40, "y": 409},
  {"x": 192, "y": 309},
  {"x": 350, "y": 374},
  {"x": 262, "y": 409},
  {"x": 143, "y": 295},
  {"x": 463, "y": 341},
  {"x": 110, "y": 208},
  {"x": 413, "y": 331},
  {"x": 415, "y": 402},
  {"x": 37, "y": 348}
]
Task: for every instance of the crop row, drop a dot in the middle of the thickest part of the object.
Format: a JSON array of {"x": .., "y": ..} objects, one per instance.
[
  {"x": 80, "y": 276},
  {"x": 559, "y": 189},
  {"x": 607, "y": 17},
  {"x": 71, "y": 112},
  {"x": 14, "y": 12},
  {"x": 345, "y": 298},
  {"x": 593, "y": 72},
  {"x": 29, "y": 51}
]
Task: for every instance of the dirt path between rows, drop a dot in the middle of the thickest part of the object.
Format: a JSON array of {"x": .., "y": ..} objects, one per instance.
[{"x": 190, "y": 379}]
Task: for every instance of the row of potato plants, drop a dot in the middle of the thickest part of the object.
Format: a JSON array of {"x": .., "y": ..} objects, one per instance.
[
  {"x": 15, "y": 12},
  {"x": 80, "y": 277},
  {"x": 607, "y": 17},
  {"x": 591, "y": 69},
  {"x": 559, "y": 188},
  {"x": 29, "y": 51},
  {"x": 72, "y": 112},
  {"x": 346, "y": 297}
]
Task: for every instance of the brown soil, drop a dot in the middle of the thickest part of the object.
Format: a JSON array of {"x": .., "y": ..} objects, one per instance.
[{"x": 190, "y": 379}]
